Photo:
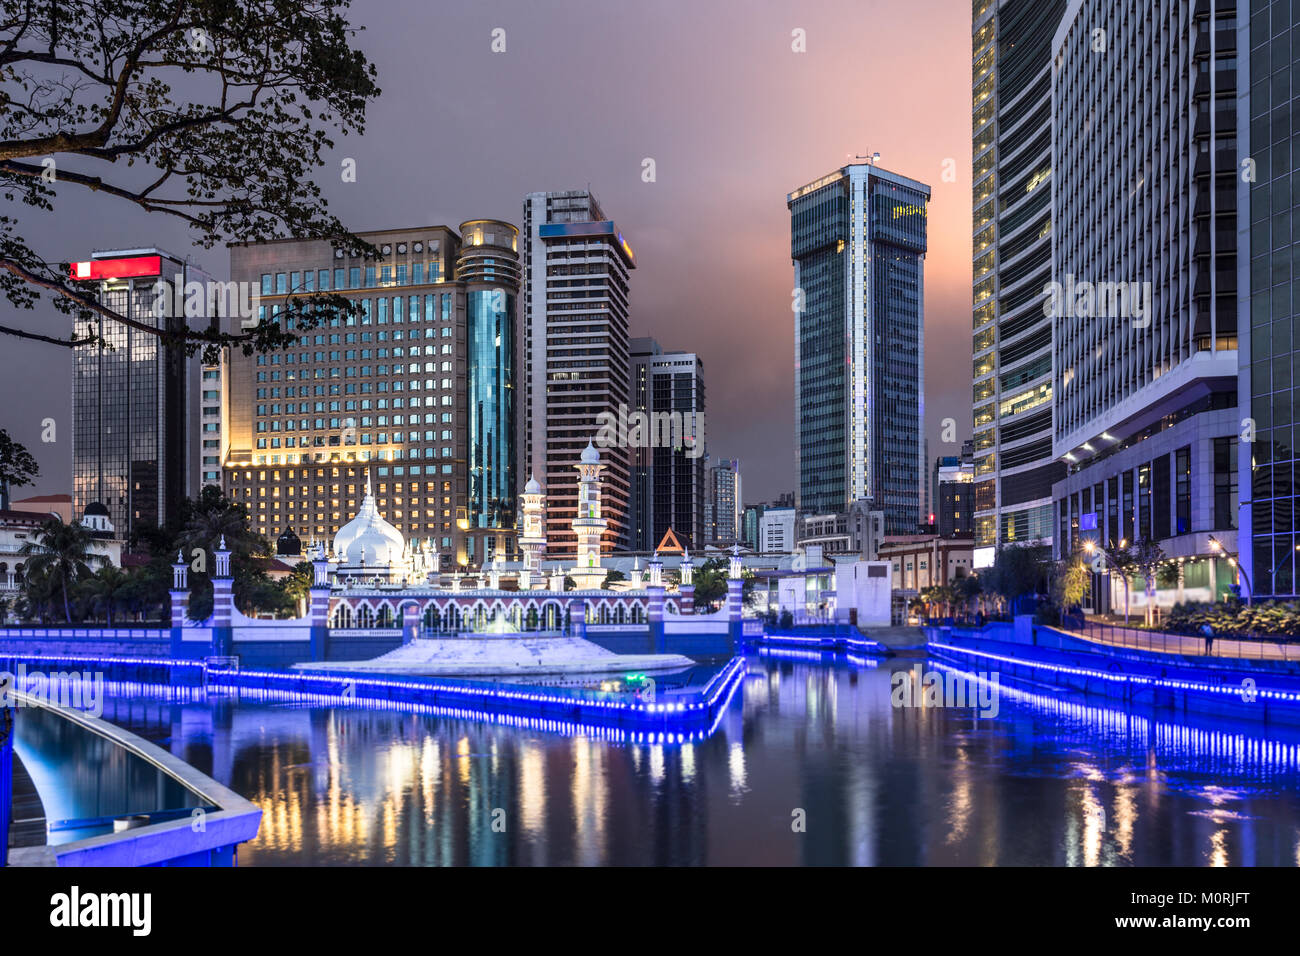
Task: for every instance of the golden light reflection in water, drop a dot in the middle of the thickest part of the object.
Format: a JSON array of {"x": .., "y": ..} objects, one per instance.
[
  {"x": 1219, "y": 848},
  {"x": 589, "y": 801},
  {"x": 736, "y": 767},
  {"x": 1094, "y": 825},
  {"x": 960, "y": 803},
  {"x": 532, "y": 790},
  {"x": 1125, "y": 813}
]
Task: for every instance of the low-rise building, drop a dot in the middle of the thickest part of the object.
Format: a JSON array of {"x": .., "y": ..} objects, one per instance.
[
  {"x": 776, "y": 530},
  {"x": 920, "y": 561}
]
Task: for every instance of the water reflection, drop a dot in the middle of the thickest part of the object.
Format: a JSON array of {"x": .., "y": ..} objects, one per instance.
[{"x": 1048, "y": 781}]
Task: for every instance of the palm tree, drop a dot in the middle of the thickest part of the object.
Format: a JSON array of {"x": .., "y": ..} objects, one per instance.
[
  {"x": 104, "y": 589},
  {"x": 212, "y": 517},
  {"x": 61, "y": 553},
  {"x": 969, "y": 588}
]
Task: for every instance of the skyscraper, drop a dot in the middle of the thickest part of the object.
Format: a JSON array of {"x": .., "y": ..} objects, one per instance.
[
  {"x": 1268, "y": 289},
  {"x": 415, "y": 393},
  {"x": 1144, "y": 294},
  {"x": 1012, "y": 229},
  {"x": 858, "y": 241},
  {"x": 668, "y": 468},
  {"x": 138, "y": 438},
  {"x": 576, "y": 268}
]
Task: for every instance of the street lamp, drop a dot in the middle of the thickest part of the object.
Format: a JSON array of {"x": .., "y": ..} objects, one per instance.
[
  {"x": 1217, "y": 547},
  {"x": 1090, "y": 547}
]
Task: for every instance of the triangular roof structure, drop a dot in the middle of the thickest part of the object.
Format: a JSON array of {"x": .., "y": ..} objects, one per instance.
[{"x": 670, "y": 544}]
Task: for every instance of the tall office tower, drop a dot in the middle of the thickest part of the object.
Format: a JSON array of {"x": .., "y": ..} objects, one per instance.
[
  {"x": 725, "y": 503},
  {"x": 1268, "y": 284},
  {"x": 668, "y": 466},
  {"x": 138, "y": 437},
  {"x": 858, "y": 240},
  {"x": 415, "y": 393},
  {"x": 1144, "y": 293},
  {"x": 1012, "y": 248},
  {"x": 576, "y": 267}
]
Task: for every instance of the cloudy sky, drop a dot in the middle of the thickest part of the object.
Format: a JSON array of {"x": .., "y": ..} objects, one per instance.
[{"x": 584, "y": 92}]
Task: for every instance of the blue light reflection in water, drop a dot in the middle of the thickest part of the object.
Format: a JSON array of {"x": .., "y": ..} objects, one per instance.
[{"x": 1048, "y": 781}]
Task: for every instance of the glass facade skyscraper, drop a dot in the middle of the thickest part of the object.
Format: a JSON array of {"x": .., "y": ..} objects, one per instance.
[
  {"x": 1011, "y": 254},
  {"x": 1145, "y": 265},
  {"x": 1267, "y": 47},
  {"x": 489, "y": 268},
  {"x": 668, "y": 472},
  {"x": 135, "y": 402},
  {"x": 858, "y": 242}
]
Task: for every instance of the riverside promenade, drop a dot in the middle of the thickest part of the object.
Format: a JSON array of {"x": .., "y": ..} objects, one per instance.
[{"x": 1175, "y": 675}]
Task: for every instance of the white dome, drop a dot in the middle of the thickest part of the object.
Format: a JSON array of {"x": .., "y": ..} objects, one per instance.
[
  {"x": 589, "y": 455},
  {"x": 533, "y": 487},
  {"x": 368, "y": 535},
  {"x": 377, "y": 544}
]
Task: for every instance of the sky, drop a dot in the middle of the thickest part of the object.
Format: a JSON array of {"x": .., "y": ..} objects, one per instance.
[{"x": 584, "y": 92}]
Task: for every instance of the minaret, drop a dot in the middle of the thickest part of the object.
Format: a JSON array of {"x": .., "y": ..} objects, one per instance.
[
  {"x": 533, "y": 538},
  {"x": 588, "y": 526}
]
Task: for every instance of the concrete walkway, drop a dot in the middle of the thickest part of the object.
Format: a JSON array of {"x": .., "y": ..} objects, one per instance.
[{"x": 503, "y": 657}]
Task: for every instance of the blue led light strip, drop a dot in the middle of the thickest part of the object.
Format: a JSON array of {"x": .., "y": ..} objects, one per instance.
[{"x": 1233, "y": 690}]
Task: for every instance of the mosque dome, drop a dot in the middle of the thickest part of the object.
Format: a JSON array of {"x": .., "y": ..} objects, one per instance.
[
  {"x": 589, "y": 455},
  {"x": 368, "y": 535},
  {"x": 288, "y": 543},
  {"x": 533, "y": 487}
]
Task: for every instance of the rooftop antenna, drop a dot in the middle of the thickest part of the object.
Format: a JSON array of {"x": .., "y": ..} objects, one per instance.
[{"x": 872, "y": 159}]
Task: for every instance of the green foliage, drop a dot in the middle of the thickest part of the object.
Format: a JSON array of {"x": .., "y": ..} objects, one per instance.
[
  {"x": 1233, "y": 618},
  {"x": 17, "y": 466},
  {"x": 232, "y": 153},
  {"x": 611, "y": 577},
  {"x": 98, "y": 595},
  {"x": 710, "y": 579},
  {"x": 1070, "y": 581},
  {"x": 56, "y": 559},
  {"x": 1016, "y": 572}
]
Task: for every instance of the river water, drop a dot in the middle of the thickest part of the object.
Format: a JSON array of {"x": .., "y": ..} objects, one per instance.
[{"x": 812, "y": 764}]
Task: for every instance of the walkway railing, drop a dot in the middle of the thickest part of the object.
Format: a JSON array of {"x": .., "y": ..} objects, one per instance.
[{"x": 1162, "y": 642}]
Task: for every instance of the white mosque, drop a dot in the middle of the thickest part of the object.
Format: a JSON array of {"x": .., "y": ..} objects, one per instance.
[{"x": 369, "y": 550}]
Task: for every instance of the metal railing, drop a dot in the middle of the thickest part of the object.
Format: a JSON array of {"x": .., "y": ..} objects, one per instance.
[{"x": 1115, "y": 635}]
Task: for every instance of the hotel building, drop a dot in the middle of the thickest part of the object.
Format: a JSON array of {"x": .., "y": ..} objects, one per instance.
[
  {"x": 858, "y": 242},
  {"x": 415, "y": 393},
  {"x": 575, "y": 355},
  {"x": 146, "y": 418},
  {"x": 668, "y": 471},
  {"x": 1012, "y": 245},
  {"x": 1145, "y": 163}
]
